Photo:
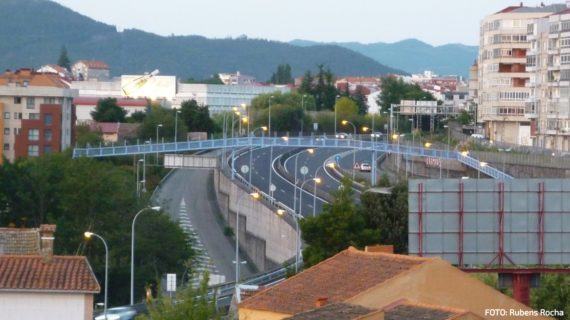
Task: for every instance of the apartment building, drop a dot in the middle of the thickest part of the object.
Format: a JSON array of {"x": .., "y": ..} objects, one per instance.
[
  {"x": 503, "y": 77},
  {"x": 37, "y": 113},
  {"x": 90, "y": 70},
  {"x": 548, "y": 107}
]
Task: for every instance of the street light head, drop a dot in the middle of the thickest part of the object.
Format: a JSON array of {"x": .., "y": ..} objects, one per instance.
[
  {"x": 243, "y": 105},
  {"x": 264, "y": 128},
  {"x": 88, "y": 234},
  {"x": 483, "y": 164},
  {"x": 255, "y": 195},
  {"x": 427, "y": 144},
  {"x": 331, "y": 165},
  {"x": 237, "y": 113},
  {"x": 157, "y": 208},
  {"x": 311, "y": 151},
  {"x": 245, "y": 119},
  {"x": 465, "y": 153},
  {"x": 285, "y": 138},
  {"x": 344, "y": 122},
  {"x": 365, "y": 129},
  {"x": 141, "y": 160},
  {"x": 159, "y": 125},
  {"x": 395, "y": 136},
  {"x": 235, "y": 109},
  {"x": 280, "y": 212},
  {"x": 318, "y": 180}
]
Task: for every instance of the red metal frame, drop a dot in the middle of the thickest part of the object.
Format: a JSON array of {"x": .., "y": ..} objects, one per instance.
[
  {"x": 541, "y": 194},
  {"x": 501, "y": 255},
  {"x": 420, "y": 219},
  {"x": 460, "y": 237}
]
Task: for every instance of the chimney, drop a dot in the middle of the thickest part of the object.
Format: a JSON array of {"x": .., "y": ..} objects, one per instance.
[
  {"x": 46, "y": 237},
  {"x": 380, "y": 248},
  {"x": 321, "y": 302}
]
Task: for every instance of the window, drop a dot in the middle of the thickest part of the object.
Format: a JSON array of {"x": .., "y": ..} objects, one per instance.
[
  {"x": 17, "y": 115},
  {"x": 17, "y": 100},
  {"x": 48, "y": 135},
  {"x": 6, "y": 115},
  {"x": 48, "y": 119},
  {"x": 33, "y": 151},
  {"x": 34, "y": 116},
  {"x": 47, "y": 149},
  {"x": 49, "y": 100},
  {"x": 17, "y": 131},
  {"x": 6, "y": 147},
  {"x": 6, "y": 131},
  {"x": 565, "y": 59},
  {"x": 33, "y": 134},
  {"x": 30, "y": 103}
]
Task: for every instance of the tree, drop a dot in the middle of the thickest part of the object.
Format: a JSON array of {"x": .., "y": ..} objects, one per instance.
[
  {"x": 321, "y": 87},
  {"x": 282, "y": 75},
  {"x": 340, "y": 225},
  {"x": 553, "y": 294},
  {"x": 287, "y": 112},
  {"x": 395, "y": 89},
  {"x": 196, "y": 117},
  {"x": 63, "y": 60},
  {"x": 360, "y": 98},
  {"x": 388, "y": 214},
  {"x": 84, "y": 136},
  {"x": 107, "y": 110},
  {"x": 214, "y": 79},
  {"x": 190, "y": 304},
  {"x": 165, "y": 121},
  {"x": 464, "y": 117},
  {"x": 87, "y": 194},
  {"x": 136, "y": 117}
]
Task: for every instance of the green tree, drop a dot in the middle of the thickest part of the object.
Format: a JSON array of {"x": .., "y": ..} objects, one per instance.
[
  {"x": 190, "y": 304},
  {"x": 63, "y": 60},
  {"x": 321, "y": 87},
  {"x": 84, "y": 136},
  {"x": 340, "y": 225},
  {"x": 395, "y": 89},
  {"x": 196, "y": 117},
  {"x": 164, "y": 120},
  {"x": 136, "y": 117},
  {"x": 388, "y": 214},
  {"x": 107, "y": 110},
  {"x": 214, "y": 79},
  {"x": 464, "y": 118},
  {"x": 282, "y": 75},
  {"x": 360, "y": 98},
  {"x": 553, "y": 294}
]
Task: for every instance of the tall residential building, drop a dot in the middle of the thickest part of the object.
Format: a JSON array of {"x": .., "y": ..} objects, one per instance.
[
  {"x": 548, "y": 107},
  {"x": 38, "y": 115},
  {"x": 503, "y": 90}
]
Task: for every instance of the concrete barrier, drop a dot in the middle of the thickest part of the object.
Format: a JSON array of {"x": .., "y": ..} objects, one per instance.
[{"x": 267, "y": 239}]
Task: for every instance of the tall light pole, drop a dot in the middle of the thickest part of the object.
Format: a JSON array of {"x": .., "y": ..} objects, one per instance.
[
  {"x": 330, "y": 165},
  {"x": 310, "y": 151},
  {"x": 281, "y": 213},
  {"x": 316, "y": 181},
  {"x": 335, "y": 103},
  {"x": 269, "y": 120},
  {"x": 138, "y": 180},
  {"x": 176, "y": 125},
  {"x": 448, "y": 144},
  {"x": 88, "y": 236},
  {"x": 157, "y": 127},
  {"x": 344, "y": 123},
  {"x": 254, "y": 196},
  {"x": 133, "y": 250},
  {"x": 413, "y": 144},
  {"x": 144, "y": 169}
]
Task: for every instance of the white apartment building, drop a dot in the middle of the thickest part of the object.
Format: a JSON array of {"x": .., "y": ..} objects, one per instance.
[
  {"x": 503, "y": 91},
  {"x": 548, "y": 61}
]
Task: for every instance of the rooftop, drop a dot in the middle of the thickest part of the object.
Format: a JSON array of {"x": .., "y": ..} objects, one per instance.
[
  {"x": 522, "y": 9},
  {"x": 338, "y": 278},
  {"x": 31, "y": 78},
  {"x": 94, "y": 64},
  {"x": 19, "y": 241},
  {"x": 32, "y": 273},
  {"x": 337, "y": 311}
]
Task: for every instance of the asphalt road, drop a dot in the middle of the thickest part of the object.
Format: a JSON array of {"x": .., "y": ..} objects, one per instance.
[{"x": 188, "y": 197}]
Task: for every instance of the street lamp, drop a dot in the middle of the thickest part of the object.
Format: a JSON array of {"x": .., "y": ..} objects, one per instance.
[
  {"x": 254, "y": 196},
  {"x": 427, "y": 145},
  {"x": 133, "y": 250},
  {"x": 344, "y": 123},
  {"x": 157, "y": 127},
  {"x": 316, "y": 181},
  {"x": 448, "y": 144},
  {"x": 176, "y": 125},
  {"x": 138, "y": 178},
  {"x": 281, "y": 213},
  {"x": 88, "y": 236},
  {"x": 310, "y": 151}
]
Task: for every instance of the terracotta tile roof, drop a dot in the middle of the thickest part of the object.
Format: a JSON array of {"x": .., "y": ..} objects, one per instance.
[
  {"x": 62, "y": 274},
  {"x": 405, "y": 310},
  {"x": 94, "y": 64},
  {"x": 337, "y": 311},
  {"x": 19, "y": 241},
  {"x": 33, "y": 79},
  {"x": 338, "y": 278}
]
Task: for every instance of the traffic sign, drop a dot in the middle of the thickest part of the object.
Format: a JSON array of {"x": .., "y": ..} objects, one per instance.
[
  {"x": 272, "y": 188},
  {"x": 304, "y": 170},
  {"x": 244, "y": 169}
]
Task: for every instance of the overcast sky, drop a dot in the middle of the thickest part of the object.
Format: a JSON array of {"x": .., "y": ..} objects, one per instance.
[{"x": 433, "y": 21}]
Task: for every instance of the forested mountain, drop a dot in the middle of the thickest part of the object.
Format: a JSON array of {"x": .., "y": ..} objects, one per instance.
[
  {"x": 413, "y": 56},
  {"x": 32, "y": 33}
]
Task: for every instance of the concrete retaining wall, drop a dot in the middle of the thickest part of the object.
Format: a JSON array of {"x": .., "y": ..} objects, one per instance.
[{"x": 267, "y": 239}]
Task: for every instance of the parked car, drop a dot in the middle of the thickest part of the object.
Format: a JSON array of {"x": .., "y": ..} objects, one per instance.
[
  {"x": 365, "y": 167},
  {"x": 123, "y": 313},
  {"x": 477, "y": 136}
]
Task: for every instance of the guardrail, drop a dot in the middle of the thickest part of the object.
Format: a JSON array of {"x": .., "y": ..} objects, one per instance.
[{"x": 308, "y": 142}]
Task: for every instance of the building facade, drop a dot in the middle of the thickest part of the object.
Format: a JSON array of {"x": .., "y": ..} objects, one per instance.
[
  {"x": 38, "y": 113},
  {"x": 548, "y": 106},
  {"x": 90, "y": 70},
  {"x": 503, "y": 77}
]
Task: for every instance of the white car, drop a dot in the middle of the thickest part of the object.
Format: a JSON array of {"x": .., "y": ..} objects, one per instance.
[
  {"x": 376, "y": 135},
  {"x": 365, "y": 167},
  {"x": 477, "y": 136},
  {"x": 341, "y": 135}
]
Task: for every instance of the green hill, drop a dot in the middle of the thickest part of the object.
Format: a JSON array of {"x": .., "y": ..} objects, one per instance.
[{"x": 33, "y": 31}]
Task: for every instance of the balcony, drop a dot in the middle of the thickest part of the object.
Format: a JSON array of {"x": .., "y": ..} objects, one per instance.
[
  {"x": 519, "y": 82},
  {"x": 531, "y": 109},
  {"x": 512, "y": 68}
]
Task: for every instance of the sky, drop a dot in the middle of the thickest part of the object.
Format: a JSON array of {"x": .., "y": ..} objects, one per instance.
[{"x": 434, "y": 21}]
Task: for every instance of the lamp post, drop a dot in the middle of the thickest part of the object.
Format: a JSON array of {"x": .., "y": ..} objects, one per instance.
[
  {"x": 448, "y": 144},
  {"x": 413, "y": 144},
  {"x": 281, "y": 213},
  {"x": 144, "y": 169},
  {"x": 133, "y": 250},
  {"x": 310, "y": 151},
  {"x": 88, "y": 236},
  {"x": 344, "y": 123},
  {"x": 330, "y": 165},
  {"x": 157, "y": 127},
  {"x": 335, "y": 102},
  {"x": 316, "y": 181},
  {"x": 138, "y": 180},
  {"x": 176, "y": 126},
  {"x": 254, "y": 196}
]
